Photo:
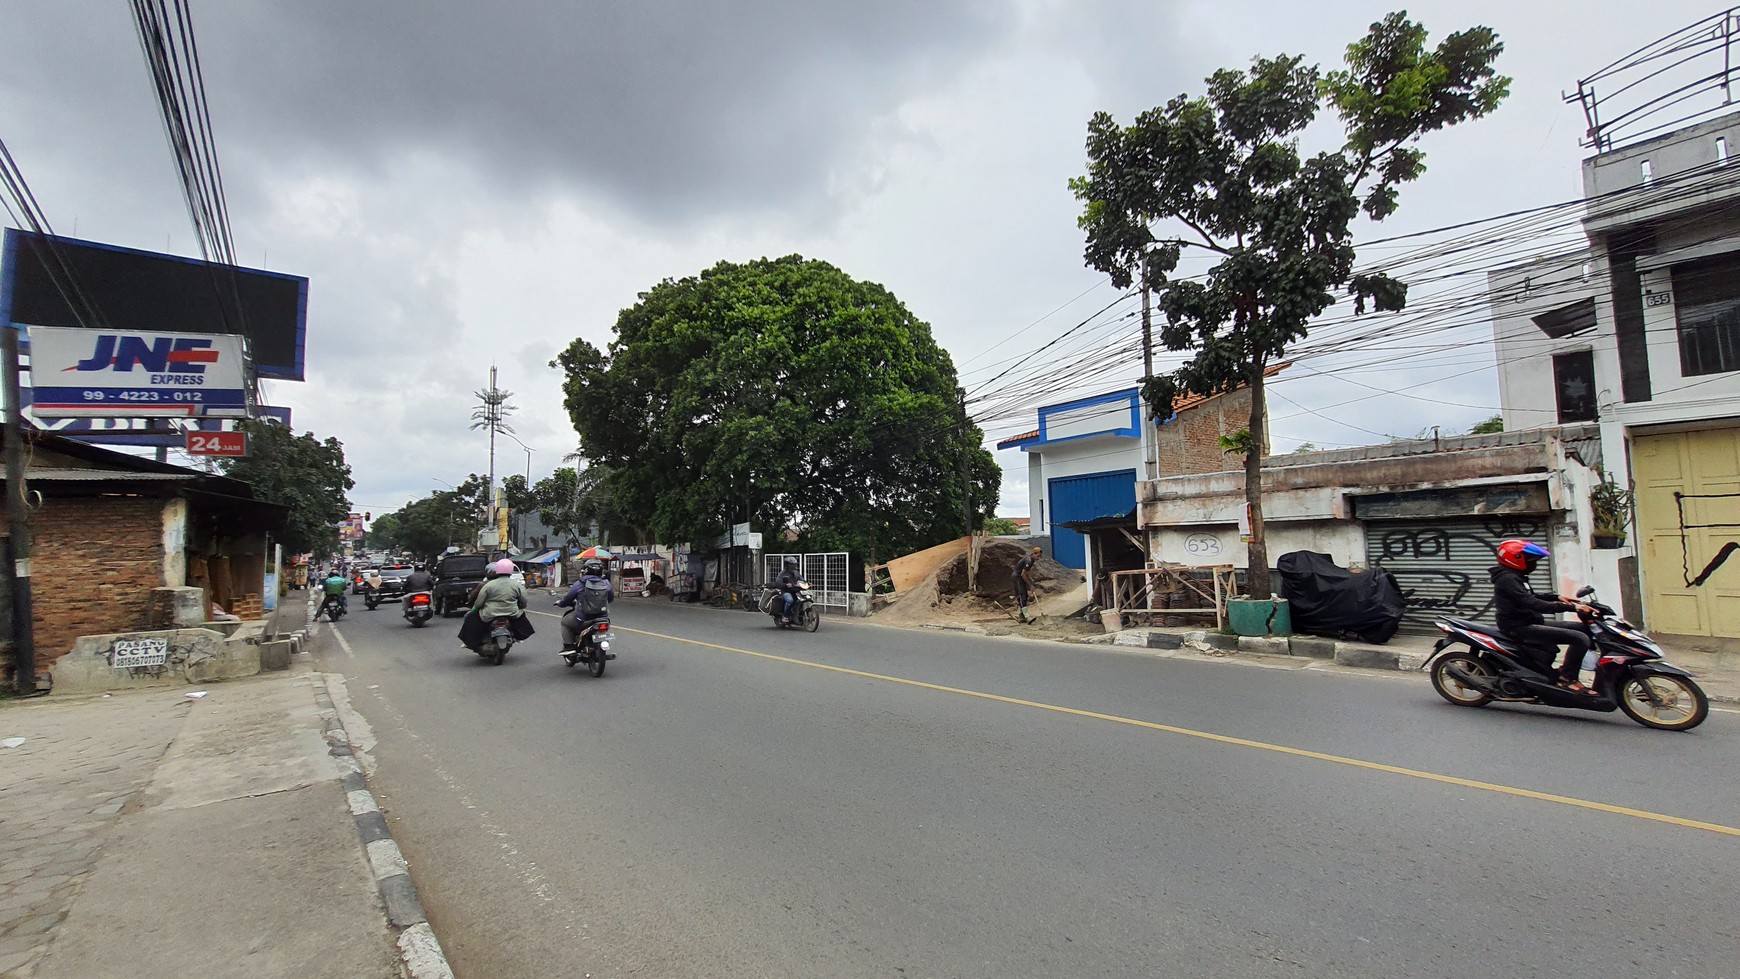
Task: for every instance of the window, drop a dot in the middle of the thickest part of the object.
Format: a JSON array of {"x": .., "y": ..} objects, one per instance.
[
  {"x": 1707, "y": 302},
  {"x": 1574, "y": 386}
]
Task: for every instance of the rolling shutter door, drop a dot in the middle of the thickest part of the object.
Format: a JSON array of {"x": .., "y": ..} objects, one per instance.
[
  {"x": 1084, "y": 498},
  {"x": 1442, "y": 565}
]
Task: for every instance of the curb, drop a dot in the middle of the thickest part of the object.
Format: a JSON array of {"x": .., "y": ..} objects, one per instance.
[{"x": 419, "y": 951}]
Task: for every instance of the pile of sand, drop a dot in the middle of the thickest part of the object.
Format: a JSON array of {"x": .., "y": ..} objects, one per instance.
[{"x": 942, "y": 598}]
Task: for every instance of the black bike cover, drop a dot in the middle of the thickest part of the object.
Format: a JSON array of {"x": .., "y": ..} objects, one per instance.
[{"x": 1325, "y": 599}]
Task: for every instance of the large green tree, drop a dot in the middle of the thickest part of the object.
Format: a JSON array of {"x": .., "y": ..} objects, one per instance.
[
  {"x": 1224, "y": 174},
  {"x": 784, "y": 391},
  {"x": 306, "y": 474}
]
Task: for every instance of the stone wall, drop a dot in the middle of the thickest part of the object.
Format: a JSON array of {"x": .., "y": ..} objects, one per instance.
[{"x": 94, "y": 563}]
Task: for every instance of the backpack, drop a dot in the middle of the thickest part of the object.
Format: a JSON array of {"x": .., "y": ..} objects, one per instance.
[{"x": 594, "y": 596}]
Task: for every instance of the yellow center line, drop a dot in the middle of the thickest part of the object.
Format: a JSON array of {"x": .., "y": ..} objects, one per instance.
[{"x": 1467, "y": 783}]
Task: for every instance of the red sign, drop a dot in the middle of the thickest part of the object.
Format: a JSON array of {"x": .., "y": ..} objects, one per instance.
[{"x": 233, "y": 444}]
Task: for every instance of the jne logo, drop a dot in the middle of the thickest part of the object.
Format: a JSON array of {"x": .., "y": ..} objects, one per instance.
[{"x": 159, "y": 355}]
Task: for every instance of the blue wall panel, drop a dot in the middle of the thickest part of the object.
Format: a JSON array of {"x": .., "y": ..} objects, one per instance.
[{"x": 1090, "y": 497}]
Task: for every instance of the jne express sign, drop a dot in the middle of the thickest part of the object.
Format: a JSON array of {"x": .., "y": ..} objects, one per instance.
[{"x": 77, "y": 372}]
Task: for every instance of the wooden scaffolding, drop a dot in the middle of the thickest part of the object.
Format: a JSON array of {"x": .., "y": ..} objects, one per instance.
[{"x": 1141, "y": 597}]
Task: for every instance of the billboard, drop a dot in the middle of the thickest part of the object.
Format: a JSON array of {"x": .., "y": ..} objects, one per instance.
[
  {"x": 92, "y": 373},
  {"x": 124, "y": 290},
  {"x": 351, "y": 527},
  {"x": 160, "y": 433}
]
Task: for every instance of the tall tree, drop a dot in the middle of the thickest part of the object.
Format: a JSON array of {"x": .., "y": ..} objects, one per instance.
[
  {"x": 306, "y": 474},
  {"x": 1223, "y": 174},
  {"x": 784, "y": 392}
]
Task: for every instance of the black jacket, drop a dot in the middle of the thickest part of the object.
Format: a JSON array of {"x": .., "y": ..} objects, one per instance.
[
  {"x": 788, "y": 580},
  {"x": 1515, "y": 604},
  {"x": 419, "y": 581}
]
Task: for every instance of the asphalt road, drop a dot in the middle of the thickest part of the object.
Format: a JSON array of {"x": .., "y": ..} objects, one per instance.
[{"x": 732, "y": 800}]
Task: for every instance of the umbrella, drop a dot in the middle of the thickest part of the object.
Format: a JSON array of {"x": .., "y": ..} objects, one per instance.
[{"x": 600, "y": 553}]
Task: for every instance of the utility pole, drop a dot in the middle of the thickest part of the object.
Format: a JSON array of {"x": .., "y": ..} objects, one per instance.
[
  {"x": 494, "y": 423},
  {"x": 967, "y": 492},
  {"x": 18, "y": 523},
  {"x": 1150, "y": 437}
]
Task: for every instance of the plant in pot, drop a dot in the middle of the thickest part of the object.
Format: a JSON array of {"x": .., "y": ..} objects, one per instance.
[{"x": 1611, "y": 504}]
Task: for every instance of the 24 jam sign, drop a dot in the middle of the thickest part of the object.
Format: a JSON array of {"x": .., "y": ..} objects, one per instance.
[{"x": 231, "y": 444}]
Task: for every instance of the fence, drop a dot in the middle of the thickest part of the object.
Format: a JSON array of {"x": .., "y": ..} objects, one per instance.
[{"x": 829, "y": 575}]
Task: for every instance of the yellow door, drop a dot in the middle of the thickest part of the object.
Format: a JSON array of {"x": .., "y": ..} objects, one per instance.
[{"x": 1676, "y": 540}]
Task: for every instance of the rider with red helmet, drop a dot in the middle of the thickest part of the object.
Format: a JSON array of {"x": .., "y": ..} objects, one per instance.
[{"x": 1520, "y": 610}]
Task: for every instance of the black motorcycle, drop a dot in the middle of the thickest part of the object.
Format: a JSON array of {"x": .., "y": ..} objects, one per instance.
[
  {"x": 592, "y": 647},
  {"x": 419, "y": 608},
  {"x": 495, "y": 646},
  {"x": 1474, "y": 665},
  {"x": 803, "y": 608},
  {"x": 332, "y": 606}
]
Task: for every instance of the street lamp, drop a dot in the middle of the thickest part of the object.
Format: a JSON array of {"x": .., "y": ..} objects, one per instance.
[{"x": 528, "y": 449}]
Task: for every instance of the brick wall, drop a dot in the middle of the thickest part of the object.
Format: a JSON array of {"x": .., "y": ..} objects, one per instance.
[
  {"x": 93, "y": 564},
  {"x": 1191, "y": 443}
]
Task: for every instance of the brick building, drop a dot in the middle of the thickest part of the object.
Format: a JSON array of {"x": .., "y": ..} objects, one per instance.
[
  {"x": 1087, "y": 455},
  {"x": 109, "y": 528}
]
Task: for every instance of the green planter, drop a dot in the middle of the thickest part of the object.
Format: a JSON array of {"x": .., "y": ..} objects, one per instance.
[{"x": 1259, "y": 617}]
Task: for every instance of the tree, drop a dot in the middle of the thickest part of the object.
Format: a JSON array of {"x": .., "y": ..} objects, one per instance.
[
  {"x": 303, "y": 473},
  {"x": 1305, "y": 447},
  {"x": 382, "y": 534},
  {"x": 444, "y": 518},
  {"x": 1223, "y": 174},
  {"x": 1491, "y": 426},
  {"x": 1001, "y": 527},
  {"x": 785, "y": 393}
]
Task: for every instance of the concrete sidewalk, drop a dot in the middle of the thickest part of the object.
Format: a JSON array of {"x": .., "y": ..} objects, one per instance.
[
  {"x": 147, "y": 833},
  {"x": 1718, "y": 675}
]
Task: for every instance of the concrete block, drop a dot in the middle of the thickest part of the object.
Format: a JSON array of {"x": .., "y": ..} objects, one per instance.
[
  {"x": 1314, "y": 648},
  {"x": 188, "y": 656},
  {"x": 225, "y": 627},
  {"x": 1273, "y": 645},
  {"x": 178, "y": 608},
  {"x": 1165, "y": 640},
  {"x": 1366, "y": 657},
  {"x": 275, "y": 655},
  {"x": 857, "y": 604},
  {"x": 1131, "y": 637},
  {"x": 1217, "y": 640}
]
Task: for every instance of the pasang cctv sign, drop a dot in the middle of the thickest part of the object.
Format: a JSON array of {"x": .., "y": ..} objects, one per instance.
[
  {"x": 92, "y": 373},
  {"x": 233, "y": 445}
]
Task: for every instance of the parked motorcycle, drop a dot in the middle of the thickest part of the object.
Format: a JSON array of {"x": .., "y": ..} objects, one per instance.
[
  {"x": 592, "y": 647},
  {"x": 419, "y": 608},
  {"x": 803, "y": 611},
  {"x": 1473, "y": 665}
]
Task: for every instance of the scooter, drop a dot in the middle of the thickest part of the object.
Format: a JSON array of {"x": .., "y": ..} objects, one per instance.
[
  {"x": 1473, "y": 665},
  {"x": 419, "y": 608},
  {"x": 332, "y": 607},
  {"x": 592, "y": 647},
  {"x": 804, "y": 613},
  {"x": 501, "y": 639}
]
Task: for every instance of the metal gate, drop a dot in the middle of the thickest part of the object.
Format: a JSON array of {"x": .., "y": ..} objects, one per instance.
[
  {"x": 1085, "y": 498},
  {"x": 1443, "y": 565},
  {"x": 829, "y": 575}
]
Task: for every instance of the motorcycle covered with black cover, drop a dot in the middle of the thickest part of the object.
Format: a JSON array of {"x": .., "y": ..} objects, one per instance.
[{"x": 1325, "y": 599}]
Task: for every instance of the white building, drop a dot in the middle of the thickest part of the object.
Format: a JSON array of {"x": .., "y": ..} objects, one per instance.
[{"x": 1640, "y": 333}]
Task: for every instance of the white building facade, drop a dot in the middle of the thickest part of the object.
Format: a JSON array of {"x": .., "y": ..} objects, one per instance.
[{"x": 1640, "y": 334}]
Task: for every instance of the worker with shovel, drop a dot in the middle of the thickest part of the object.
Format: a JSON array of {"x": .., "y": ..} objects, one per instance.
[{"x": 1023, "y": 577}]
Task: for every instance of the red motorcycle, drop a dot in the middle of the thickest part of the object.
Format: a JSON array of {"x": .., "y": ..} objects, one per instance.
[{"x": 1474, "y": 665}]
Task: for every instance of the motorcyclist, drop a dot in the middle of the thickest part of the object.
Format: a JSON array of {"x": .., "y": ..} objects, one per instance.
[
  {"x": 789, "y": 582},
  {"x": 592, "y": 572},
  {"x": 1519, "y": 610},
  {"x": 419, "y": 580},
  {"x": 499, "y": 597},
  {"x": 334, "y": 590}
]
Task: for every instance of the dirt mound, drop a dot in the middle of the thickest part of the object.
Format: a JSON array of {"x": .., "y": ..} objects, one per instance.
[{"x": 997, "y": 560}]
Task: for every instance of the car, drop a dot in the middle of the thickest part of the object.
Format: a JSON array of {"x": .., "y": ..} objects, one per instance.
[
  {"x": 393, "y": 579},
  {"x": 456, "y": 577}
]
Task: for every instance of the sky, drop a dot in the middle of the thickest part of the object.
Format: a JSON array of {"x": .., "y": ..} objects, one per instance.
[{"x": 477, "y": 184}]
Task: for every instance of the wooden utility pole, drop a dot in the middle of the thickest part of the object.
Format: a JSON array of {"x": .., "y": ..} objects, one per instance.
[
  {"x": 18, "y": 523},
  {"x": 967, "y": 489}
]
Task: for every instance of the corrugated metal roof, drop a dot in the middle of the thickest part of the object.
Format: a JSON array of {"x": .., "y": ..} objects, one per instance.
[{"x": 105, "y": 475}]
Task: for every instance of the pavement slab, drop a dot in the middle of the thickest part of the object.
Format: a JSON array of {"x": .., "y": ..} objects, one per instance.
[{"x": 157, "y": 835}]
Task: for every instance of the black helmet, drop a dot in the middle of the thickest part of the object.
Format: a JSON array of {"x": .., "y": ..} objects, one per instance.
[
  {"x": 791, "y": 561},
  {"x": 420, "y": 567},
  {"x": 594, "y": 566}
]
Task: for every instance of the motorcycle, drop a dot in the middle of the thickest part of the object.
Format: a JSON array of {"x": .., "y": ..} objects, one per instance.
[
  {"x": 332, "y": 607},
  {"x": 371, "y": 596},
  {"x": 1473, "y": 665},
  {"x": 592, "y": 647},
  {"x": 419, "y": 608},
  {"x": 804, "y": 611},
  {"x": 501, "y": 639}
]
